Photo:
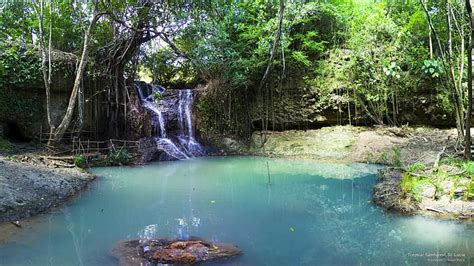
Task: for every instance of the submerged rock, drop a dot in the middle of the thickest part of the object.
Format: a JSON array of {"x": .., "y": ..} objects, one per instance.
[{"x": 171, "y": 251}]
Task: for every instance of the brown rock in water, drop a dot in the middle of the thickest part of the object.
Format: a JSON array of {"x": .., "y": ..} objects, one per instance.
[{"x": 171, "y": 251}]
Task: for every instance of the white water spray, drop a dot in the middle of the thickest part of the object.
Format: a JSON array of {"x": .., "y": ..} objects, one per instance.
[{"x": 187, "y": 146}]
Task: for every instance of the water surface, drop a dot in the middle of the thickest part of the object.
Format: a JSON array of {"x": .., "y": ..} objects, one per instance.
[{"x": 311, "y": 214}]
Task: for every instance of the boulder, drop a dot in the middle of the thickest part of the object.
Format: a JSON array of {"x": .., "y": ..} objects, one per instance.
[
  {"x": 171, "y": 251},
  {"x": 428, "y": 191}
]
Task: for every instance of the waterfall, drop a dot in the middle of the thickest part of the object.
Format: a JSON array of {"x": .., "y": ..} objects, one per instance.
[
  {"x": 182, "y": 145},
  {"x": 186, "y": 131}
]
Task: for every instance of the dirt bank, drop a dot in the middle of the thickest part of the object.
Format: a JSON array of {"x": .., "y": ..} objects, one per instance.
[
  {"x": 29, "y": 186},
  {"x": 348, "y": 144}
]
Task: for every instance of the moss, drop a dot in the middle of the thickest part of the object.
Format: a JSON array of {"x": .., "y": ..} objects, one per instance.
[
  {"x": 206, "y": 110},
  {"x": 389, "y": 156},
  {"x": 326, "y": 143},
  {"x": 21, "y": 108},
  {"x": 5, "y": 146}
]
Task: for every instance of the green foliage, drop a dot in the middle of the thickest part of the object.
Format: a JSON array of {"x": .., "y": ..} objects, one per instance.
[
  {"x": 432, "y": 68},
  {"x": 469, "y": 195},
  {"x": 412, "y": 186},
  {"x": 5, "y": 146},
  {"x": 452, "y": 160},
  {"x": 468, "y": 167},
  {"x": 19, "y": 65},
  {"x": 331, "y": 55},
  {"x": 392, "y": 156},
  {"x": 80, "y": 161},
  {"x": 119, "y": 157},
  {"x": 416, "y": 167},
  {"x": 392, "y": 70},
  {"x": 206, "y": 110},
  {"x": 156, "y": 96}
]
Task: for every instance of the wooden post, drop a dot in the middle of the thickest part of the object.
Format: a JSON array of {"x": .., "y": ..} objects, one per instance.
[{"x": 268, "y": 173}]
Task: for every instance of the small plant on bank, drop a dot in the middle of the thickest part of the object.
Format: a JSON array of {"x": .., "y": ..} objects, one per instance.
[
  {"x": 416, "y": 167},
  {"x": 119, "y": 157},
  {"x": 412, "y": 186},
  {"x": 79, "y": 161},
  {"x": 392, "y": 156},
  {"x": 468, "y": 167},
  {"x": 469, "y": 195}
]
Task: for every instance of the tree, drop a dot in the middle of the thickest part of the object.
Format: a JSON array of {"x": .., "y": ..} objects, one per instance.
[
  {"x": 45, "y": 57},
  {"x": 452, "y": 58},
  {"x": 467, "y": 140},
  {"x": 61, "y": 129}
]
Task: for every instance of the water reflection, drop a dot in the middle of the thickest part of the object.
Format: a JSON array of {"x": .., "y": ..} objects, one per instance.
[{"x": 311, "y": 214}]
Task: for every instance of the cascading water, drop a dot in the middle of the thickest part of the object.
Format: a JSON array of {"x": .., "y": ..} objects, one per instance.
[
  {"x": 186, "y": 145},
  {"x": 186, "y": 131}
]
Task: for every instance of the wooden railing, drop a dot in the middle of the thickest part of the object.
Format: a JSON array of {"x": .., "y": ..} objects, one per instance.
[
  {"x": 80, "y": 146},
  {"x": 77, "y": 142}
]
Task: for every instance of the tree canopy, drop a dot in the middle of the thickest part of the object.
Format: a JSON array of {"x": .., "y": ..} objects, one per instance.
[{"x": 363, "y": 57}]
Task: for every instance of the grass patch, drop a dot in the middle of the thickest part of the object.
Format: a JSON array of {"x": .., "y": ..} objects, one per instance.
[
  {"x": 389, "y": 156},
  {"x": 452, "y": 175}
]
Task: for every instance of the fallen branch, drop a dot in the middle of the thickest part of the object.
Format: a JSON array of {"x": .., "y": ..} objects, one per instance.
[
  {"x": 434, "y": 210},
  {"x": 16, "y": 223},
  {"x": 64, "y": 165}
]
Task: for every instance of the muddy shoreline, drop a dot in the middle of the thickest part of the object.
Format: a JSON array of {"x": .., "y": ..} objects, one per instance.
[{"x": 34, "y": 186}]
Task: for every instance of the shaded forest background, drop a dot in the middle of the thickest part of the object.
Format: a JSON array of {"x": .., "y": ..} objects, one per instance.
[{"x": 258, "y": 65}]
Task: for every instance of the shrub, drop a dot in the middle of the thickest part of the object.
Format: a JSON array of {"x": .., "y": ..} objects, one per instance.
[
  {"x": 5, "y": 145},
  {"x": 416, "y": 167},
  {"x": 468, "y": 167},
  {"x": 79, "y": 161},
  {"x": 119, "y": 157}
]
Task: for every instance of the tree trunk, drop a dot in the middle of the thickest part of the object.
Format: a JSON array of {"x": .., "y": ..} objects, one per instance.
[
  {"x": 275, "y": 44},
  {"x": 467, "y": 136},
  {"x": 45, "y": 60},
  {"x": 61, "y": 129},
  {"x": 447, "y": 62}
]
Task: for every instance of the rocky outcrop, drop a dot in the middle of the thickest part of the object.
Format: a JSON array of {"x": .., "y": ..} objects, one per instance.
[
  {"x": 388, "y": 193},
  {"x": 150, "y": 151},
  {"x": 27, "y": 189},
  {"x": 383, "y": 145},
  {"x": 171, "y": 251},
  {"x": 445, "y": 200}
]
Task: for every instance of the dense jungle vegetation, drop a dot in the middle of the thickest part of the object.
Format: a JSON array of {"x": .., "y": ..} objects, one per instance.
[{"x": 265, "y": 64}]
